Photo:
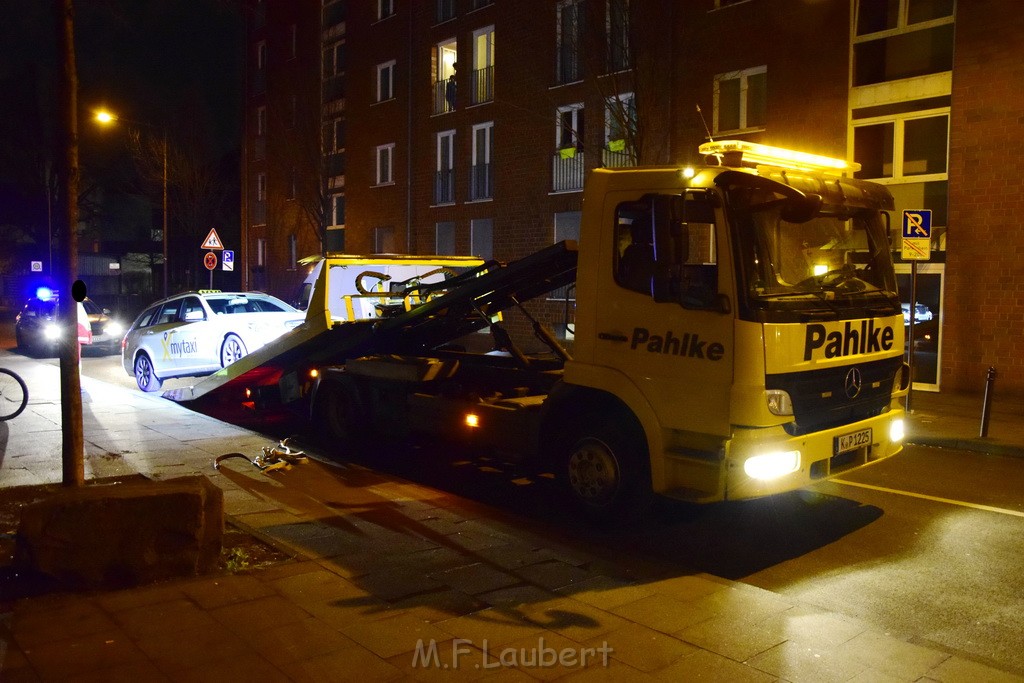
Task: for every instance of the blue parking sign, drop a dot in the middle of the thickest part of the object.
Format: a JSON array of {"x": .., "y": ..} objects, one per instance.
[
  {"x": 917, "y": 223},
  {"x": 227, "y": 259}
]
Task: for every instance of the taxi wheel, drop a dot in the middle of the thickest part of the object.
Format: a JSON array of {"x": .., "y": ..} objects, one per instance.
[
  {"x": 145, "y": 375},
  {"x": 231, "y": 350}
]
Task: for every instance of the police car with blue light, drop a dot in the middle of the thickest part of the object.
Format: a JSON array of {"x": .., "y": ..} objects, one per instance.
[
  {"x": 198, "y": 333},
  {"x": 38, "y": 332}
]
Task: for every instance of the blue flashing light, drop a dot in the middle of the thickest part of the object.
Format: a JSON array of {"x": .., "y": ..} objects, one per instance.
[{"x": 44, "y": 293}]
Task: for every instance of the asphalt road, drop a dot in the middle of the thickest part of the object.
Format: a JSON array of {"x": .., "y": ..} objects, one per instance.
[{"x": 926, "y": 545}]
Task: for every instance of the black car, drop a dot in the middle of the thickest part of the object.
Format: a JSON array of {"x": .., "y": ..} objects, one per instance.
[{"x": 37, "y": 332}]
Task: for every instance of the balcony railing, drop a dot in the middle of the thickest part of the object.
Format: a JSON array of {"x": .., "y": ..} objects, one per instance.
[
  {"x": 625, "y": 158},
  {"x": 444, "y": 187},
  {"x": 444, "y": 96},
  {"x": 483, "y": 85},
  {"x": 481, "y": 181},
  {"x": 567, "y": 170}
]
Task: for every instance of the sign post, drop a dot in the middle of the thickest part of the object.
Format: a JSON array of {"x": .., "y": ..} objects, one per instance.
[
  {"x": 210, "y": 261},
  {"x": 213, "y": 241},
  {"x": 917, "y": 246}
]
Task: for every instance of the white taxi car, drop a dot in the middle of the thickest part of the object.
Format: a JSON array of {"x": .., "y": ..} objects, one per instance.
[{"x": 198, "y": 333}]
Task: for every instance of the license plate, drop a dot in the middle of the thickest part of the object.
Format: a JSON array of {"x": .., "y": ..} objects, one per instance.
[{"x": 853, "y": 441}]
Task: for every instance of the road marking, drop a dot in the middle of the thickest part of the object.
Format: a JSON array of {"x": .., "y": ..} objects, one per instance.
[{"x": 949, "y": 501}]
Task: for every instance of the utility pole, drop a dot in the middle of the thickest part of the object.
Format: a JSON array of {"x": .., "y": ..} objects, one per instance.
[{"x": 73, "y": 443}]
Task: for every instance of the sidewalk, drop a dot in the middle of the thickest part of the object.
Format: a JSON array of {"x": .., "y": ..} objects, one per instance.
[{"x": 393, "y": 580}]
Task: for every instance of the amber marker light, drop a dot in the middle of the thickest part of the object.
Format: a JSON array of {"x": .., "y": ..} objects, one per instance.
[
  {"x": 472, "y": 420},
  {"x": 313, "y": 373}
]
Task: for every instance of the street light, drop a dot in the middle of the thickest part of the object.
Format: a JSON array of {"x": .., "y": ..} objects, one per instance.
[{"x": 106, "y": 118}]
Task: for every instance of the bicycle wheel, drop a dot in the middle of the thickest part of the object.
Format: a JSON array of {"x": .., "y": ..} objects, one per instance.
[{"x": 13, "y": 394}]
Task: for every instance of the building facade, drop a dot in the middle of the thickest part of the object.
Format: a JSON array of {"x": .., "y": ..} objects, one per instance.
[{"x": 468, "y": 127}]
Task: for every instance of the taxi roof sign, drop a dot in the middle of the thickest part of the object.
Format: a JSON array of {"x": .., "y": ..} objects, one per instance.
[{"x": 212, "y": 241}]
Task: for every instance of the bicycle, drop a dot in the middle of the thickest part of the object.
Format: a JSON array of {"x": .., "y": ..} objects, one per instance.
[{"x": 13, "y": 394}]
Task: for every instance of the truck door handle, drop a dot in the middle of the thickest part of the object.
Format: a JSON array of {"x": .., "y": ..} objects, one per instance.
[{"x": 610, "y": 336}]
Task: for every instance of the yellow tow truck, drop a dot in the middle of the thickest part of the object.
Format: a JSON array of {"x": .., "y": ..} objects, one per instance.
[{"x": 737, "y": 333}]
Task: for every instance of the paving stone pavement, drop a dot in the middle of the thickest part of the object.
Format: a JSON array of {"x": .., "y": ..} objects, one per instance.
[{"x": 392, "y": 580}]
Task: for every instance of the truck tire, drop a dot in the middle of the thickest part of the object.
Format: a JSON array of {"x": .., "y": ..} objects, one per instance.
[
  {"x": 337, "y": 415},
  {"x": 607, "y": 472}
]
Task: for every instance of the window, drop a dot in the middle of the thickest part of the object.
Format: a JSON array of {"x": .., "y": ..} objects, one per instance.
[
  {"x": 740, "y": 100},
  {"x": 261, "y": 251},
  {"x": 261, "y": 121},
  {"x": 293, "y": 43},
  {"x": 444, "y": 183},
  {"x": 444, "y": 238},
  {"x": 481, "y": 238},
  {"x": 337, "y": 209},
  {"x": 904, "y": 147},
  {"x": 385, "y": 162},
  {"x": 445, "y": 10},
  {"x": 293, "y": 252},
  {"x": 385, "y": 81},
  {"x": 293, "y": 183},
  {"x": 445, "y": 81},
  {"x": 874, "y": 16},
  {"x": 334, "y": 60},
  {"x": 334, "y": 135},
  {"x": 691, "y": 230},
  {"x": 617, "y": 19},
  {"x": 619, "y": 129},
  {"x": 384, "y": 240},
  {"x": 261, "y": 55},
  {"x": 570, "y": 127},
  {"x": 567, "y": 171},
  {"x": 570, "y": 41},
  {"x": 897, "y": 39},
  {"x": 483, "y": 66},
  {"x": 385, "y": 8},
  {"x": 261, "y": 187},
  {"x": 480, "y": 171},
  {"x": 567, "y": 227}
]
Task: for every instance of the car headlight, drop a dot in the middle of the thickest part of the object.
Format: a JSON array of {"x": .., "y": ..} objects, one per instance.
[
  {"x": 772, "y": 465},
  {"x": 52, "y": 331},
  {"x": 779, "y": 402},
  {"x": 114, "y": 328}
]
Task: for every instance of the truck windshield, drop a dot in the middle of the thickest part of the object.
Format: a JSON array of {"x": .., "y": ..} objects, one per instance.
[{"x": 839, "y": 255}]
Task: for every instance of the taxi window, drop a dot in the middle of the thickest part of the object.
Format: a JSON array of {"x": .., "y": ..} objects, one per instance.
[
  {"x": 268, "y": 306},
  {"x": 91, "y": 307},
  {"x": 146, "y": 319},
  {"x": 168, "y": 313},
  {"x": 192, "y": 310}
]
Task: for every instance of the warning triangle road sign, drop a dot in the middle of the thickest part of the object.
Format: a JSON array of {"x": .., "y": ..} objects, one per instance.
[{"x": 212, "y": 240}]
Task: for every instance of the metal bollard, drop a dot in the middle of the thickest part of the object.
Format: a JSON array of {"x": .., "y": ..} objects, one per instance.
[{"x": 990, "y": 378}]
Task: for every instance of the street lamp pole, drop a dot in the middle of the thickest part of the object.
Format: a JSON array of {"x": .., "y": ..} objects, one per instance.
[{"x": 106, "y": 118}]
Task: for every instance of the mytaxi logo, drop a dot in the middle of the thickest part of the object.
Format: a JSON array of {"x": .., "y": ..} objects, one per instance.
[
  {"x": 165, "y": 341},
  {"x": 854, "y": 338}
]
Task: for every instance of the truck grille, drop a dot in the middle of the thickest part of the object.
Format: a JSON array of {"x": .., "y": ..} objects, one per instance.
[{"x": 821, "y": 400}]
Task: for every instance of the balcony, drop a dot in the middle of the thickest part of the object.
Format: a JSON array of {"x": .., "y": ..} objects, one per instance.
[
  {"x": 483, "y": 85},
  {"x": 481, "y": 182},
  {"x": 444, "y": 96},
  {"x": 617, "y": 158},
  {"x": 444, "y": 187},
  {"x": 567, "y": 170}
]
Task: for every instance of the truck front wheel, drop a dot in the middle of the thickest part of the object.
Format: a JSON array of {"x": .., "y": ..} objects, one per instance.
[{"x": 607, "y": 473}]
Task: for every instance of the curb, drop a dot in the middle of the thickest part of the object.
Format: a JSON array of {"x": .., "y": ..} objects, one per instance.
[{"x": 976, "y": 445}]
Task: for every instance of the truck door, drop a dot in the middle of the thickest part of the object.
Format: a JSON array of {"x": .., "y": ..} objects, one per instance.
[{"x": 663, "y": 316}]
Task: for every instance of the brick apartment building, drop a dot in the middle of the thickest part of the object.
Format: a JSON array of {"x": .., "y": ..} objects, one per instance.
[{"x": 467, "y": 127}]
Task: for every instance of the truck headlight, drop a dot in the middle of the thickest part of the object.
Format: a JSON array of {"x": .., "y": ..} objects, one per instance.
[
  {"x": 772, "y": 465},
  {"x": 52, "y": 331},
  {"x": 779, "y": 402},
  {"x": 897, "y": 430}
]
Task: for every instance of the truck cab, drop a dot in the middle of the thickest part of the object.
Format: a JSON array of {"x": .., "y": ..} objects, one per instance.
[{"x": 745, "y": 315}]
